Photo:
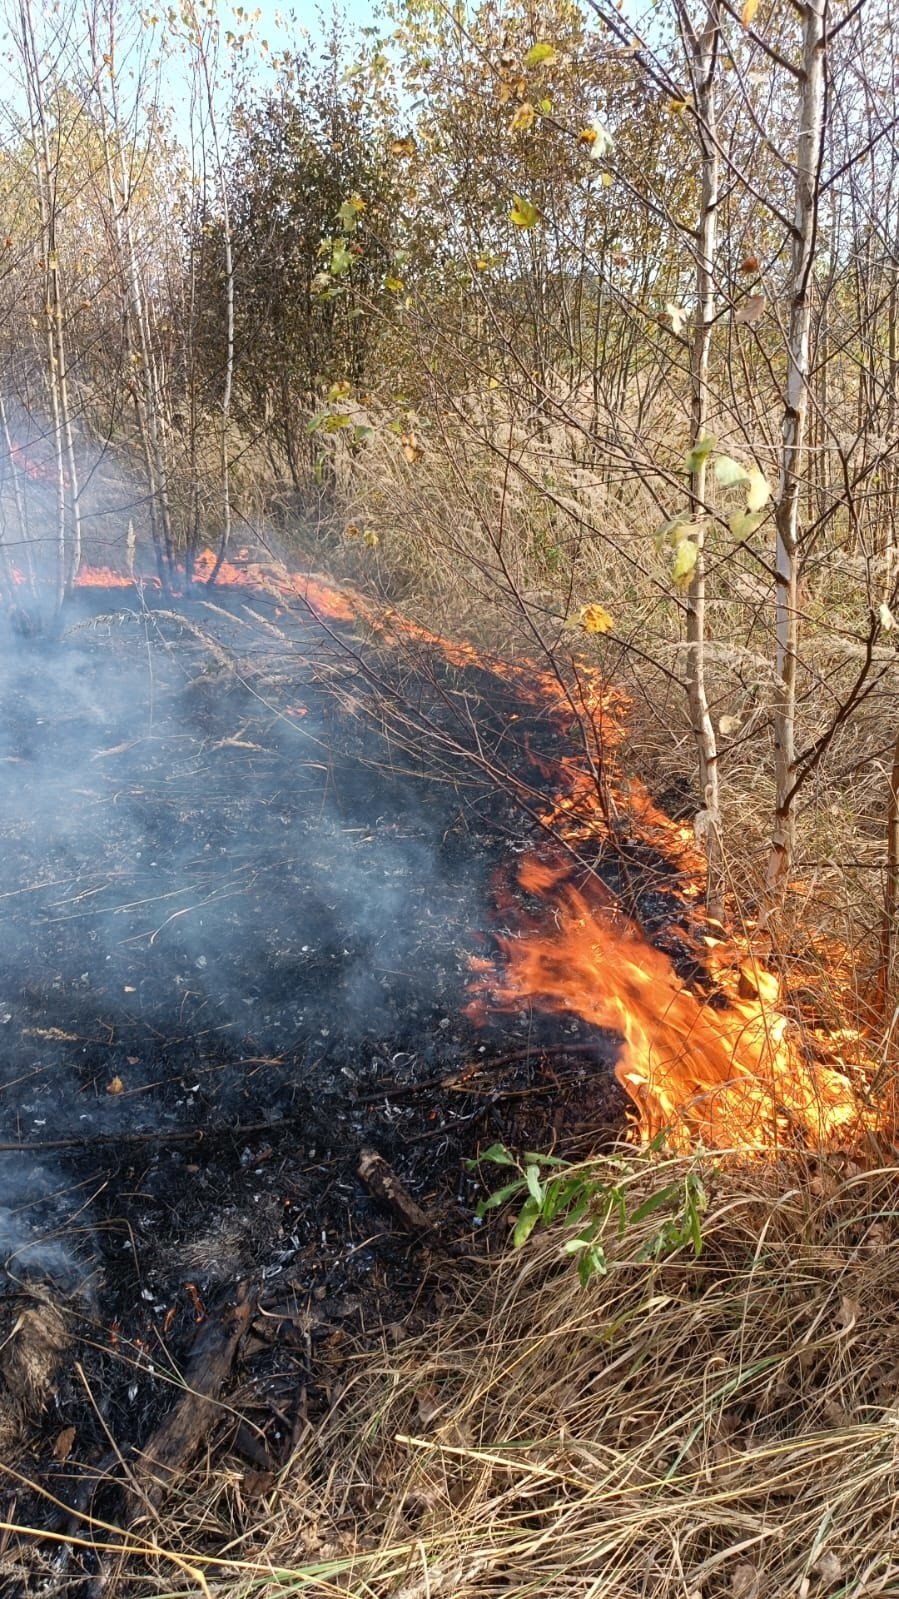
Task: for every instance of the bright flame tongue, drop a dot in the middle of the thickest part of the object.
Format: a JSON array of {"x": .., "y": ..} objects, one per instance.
[{"x": 731, "y": 1076}]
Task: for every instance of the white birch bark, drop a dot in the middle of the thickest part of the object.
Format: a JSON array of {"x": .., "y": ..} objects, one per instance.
[
  {"x": 793, "y": 428},
  {"x": 68, "y": 509},
  {"x": 704, "y": 58}
]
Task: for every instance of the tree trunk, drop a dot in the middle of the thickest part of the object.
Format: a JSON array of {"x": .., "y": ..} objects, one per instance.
[
  {"x": 68, "y": 542},
  {"x": 704, "y": 57},
  {"x": 808, "y": 162}
]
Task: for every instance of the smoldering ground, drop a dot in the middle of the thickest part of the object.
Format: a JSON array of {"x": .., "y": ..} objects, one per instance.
[{"x": 220, "y": 906}]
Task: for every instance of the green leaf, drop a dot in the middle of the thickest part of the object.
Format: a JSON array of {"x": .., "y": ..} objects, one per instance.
[
  {"x": 498, "y": 1153},
  {"x": 743, "y": 523},
  {"x": 527, "y": 1221},
  {"x": 540, "y": 54},
  {"x": 340, "y": 260},
  {"x": 729, "y": 472},
  {"x": 584, "y": 1239},
  {"x": 591, "y": 1264},
  {"x": 579, "y": 1210},
  {"x": 654, "y": 1202},
  {"x": 560, "y": 1194},
  {"x": 493, "y": 1201},
  {"x": 535, "y": 1187},
  {"x": 523, "y": 214},
  {"x": 700, "y": 452},
  {"x": 672, "y": 531},
  {"x": 696, "y": 1229},
  {"x": 685, "y": 557},
  {"x": 349, "y": 211}
]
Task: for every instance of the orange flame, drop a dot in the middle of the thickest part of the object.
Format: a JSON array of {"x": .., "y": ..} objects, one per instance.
[
  {"x": 720, "y": 1062},
  {"x": 730, "y": 1073}
]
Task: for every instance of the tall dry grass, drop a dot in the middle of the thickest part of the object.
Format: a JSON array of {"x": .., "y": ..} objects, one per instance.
[{"x": 724, "y": 1427}]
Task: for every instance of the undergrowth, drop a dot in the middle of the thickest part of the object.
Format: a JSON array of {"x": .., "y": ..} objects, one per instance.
[{"x": 720, "y": 1426}]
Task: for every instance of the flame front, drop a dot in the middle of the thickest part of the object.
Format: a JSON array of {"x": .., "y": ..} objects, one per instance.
[
  {"x": 730, "y": 1074},
  {"x": 719, "y": 1062}
]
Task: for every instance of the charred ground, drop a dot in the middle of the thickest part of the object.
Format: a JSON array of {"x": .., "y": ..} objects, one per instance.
[{"x": 239, "y": 911}]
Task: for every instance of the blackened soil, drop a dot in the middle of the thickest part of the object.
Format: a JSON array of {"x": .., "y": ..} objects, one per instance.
[{"x": 243, "y": 875}]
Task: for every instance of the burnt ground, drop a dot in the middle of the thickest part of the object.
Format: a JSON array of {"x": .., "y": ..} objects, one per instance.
[{"x": 238, "y": 918}]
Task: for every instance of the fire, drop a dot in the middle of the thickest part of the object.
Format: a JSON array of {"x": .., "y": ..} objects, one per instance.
[
  {"x": 729, "y": 1073},
  {"x": 719, "y": 1061}
]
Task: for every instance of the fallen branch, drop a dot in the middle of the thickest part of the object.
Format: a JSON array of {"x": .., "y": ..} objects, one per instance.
[
  {"x": 177, "y": 1439},
  {"x": 384, "y": 1185}
]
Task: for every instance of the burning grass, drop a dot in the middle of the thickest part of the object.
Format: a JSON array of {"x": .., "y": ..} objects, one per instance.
[{"x": 721, "y": 1426}]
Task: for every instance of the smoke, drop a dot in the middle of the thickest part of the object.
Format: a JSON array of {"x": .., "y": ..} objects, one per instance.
[{"x": 216, "y": 894}]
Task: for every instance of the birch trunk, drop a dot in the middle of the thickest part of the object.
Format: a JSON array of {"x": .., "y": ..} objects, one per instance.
[
  {"x": 210, "y": 86},
  {"x": 808, "y": 163},
  {"x": 142, "y": 376},
  {"x": 68, "y": 544},
  {"x": 704, "y": 50}
]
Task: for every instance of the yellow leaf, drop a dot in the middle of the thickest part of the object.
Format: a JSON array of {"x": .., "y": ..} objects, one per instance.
[
  {"x": 115, "y": 1086},
  {"x": 523, "y": 118},
  {"x": 685, "y": 557},
  {"x": 540, "y": 55},
  {"x": 595, "y": 619},
  {"x": 750, "y": 8},
  {"x": 758, "y": 490},
  {"x": 729, "y": 472},
  {"x": 523, "y": 214},
  {"x": 411, "y": 448},
  {"x": 676, "y": 106},
  {"x": 587, "y": 136},
  {"x": 395, "y": 285},
  {"x": 370, "y": 539},
  {"x": 402, "y": 147}
]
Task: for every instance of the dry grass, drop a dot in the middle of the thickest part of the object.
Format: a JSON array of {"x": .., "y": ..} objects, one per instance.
[{"x": 727, "y": 1425}]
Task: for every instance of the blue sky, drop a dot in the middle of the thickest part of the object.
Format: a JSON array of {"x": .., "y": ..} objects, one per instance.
[
  {"x": 360, "y": 12},
  {"x": 280, "y": 25}
]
